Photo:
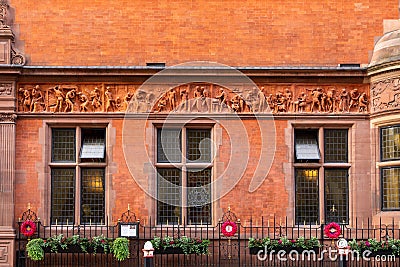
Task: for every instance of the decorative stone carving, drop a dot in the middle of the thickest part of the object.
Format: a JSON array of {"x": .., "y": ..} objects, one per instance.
[
  {"x": 3, "y": 14},
  {"x": 9, "y": 54},
  {"x": 7, "y": 117},
  {"x": 5, "y": 89},
  {"x": 198, "y": 98},
  {"x": 385, "y": 95}
]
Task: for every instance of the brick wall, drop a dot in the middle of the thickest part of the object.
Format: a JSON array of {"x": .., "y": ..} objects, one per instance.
[
  {"x": 236, "y": 33},
  {"x": 28, "y": 154},
  {"x": 33, "y": 186}
]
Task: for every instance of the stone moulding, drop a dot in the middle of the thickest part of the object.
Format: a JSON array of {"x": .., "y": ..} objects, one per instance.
[{"x": 193, "y": 98}]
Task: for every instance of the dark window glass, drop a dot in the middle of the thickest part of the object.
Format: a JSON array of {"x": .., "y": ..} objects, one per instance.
[
  {"x": 93, "y": 145},
  {"x": 336, "y": 195},
  {"x": 199, "y": 196},
  {"x": 306, "y": 146},
  {"x": 390, "y": 188},
  {"x": 169, "y": 196},
  {"x": 335, "y": 148},
  {"x": 62, "y": 196},
  {"x": 63, "y": 145},
  {"x": 390, "y": 143},
  {"x": 198, "y": 145},
  {"x": 92, "y": 196},
  {"x": 169, "y": 145},
  {"x": 307, "y": 196}
]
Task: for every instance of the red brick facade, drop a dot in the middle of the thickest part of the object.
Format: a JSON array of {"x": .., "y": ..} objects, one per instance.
[
  {"x": 289, "y": 54},
  {"x": 235, "y": 33}
]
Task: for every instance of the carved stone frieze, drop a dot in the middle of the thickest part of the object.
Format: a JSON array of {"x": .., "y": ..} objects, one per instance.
[
  {"x": 196, "y": 97},
  {"x": 273, "y": 98},
  {"x": 385, "y": 95}
]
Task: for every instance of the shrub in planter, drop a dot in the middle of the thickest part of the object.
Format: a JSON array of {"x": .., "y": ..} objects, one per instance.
[
  {"x": 37, "y": 247},
  {"x": 120, "y": 248},
  {"x": 390, "y": 246},
  {"x": 35, "y": 250},
  {"x": 101, "y": 244},
  {"x": 184, "y": 244}
]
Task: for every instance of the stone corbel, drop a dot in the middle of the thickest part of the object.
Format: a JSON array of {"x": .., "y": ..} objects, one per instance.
[{"x": 16, "y": 57}]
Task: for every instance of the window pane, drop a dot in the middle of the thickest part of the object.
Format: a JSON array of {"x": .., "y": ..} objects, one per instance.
[
  {"x": 336, "y": 195},
  {"x": 199, "y": 196},
  {"x": 169, "y": 196},
  {"x": 335, "y": 146},
  {"x": 198, "y": 145},
  {"x": 390, "y": 188},
  {"x": 62, "y": 196},
  {"x": 63, "y": 145},
  {"x": 169, "y": 148},
  {"x": 93, "y": 145},
  {"x": 307, "y": 196},
  {"x": 390, "y": 143},
  {"x": 92, "y": 196},
  {"x": 306, "y": 146}
]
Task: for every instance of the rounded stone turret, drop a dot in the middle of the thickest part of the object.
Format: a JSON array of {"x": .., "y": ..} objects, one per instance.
[{"x": 387, "y": 49}]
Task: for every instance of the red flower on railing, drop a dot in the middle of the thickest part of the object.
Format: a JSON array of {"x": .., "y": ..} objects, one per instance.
[
  {"x": 332, "y": 230},
  {"x": 28, "y": 228},
  {"x": 229, "y": 228}
]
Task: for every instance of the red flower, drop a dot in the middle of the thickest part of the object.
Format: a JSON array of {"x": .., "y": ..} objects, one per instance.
[
  {"x": 280, "y": 241},
  {"x": 229, "y": 228},
  {"x": 171, "y": 242},
  {"x": 293, "y": 241},
  {"x": 28, "y": 228},
  {"x": 332, "y": 230}
]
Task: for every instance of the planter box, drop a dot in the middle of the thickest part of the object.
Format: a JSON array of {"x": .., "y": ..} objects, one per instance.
[
  {"x": 75, "y": 249},
  {"x": 177, "y": 251},
  {"x": 254, "y": 251},
  {"x": 169, "y": 251}
]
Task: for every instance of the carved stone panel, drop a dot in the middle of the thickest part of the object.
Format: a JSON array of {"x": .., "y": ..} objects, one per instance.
[
  {"x": 6, "y": 89},
  {"x": 194, "y": 97},
  {"x": 385, "y": 95}
]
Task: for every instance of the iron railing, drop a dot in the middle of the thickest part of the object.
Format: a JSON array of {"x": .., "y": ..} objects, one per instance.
[{"x": 223, "y": 250}]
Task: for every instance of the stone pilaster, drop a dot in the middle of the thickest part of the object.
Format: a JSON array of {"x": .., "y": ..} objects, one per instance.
[{"x": 7, "y": 172}]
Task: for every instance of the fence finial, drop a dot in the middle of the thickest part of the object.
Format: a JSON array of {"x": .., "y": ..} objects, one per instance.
[
  {"x": 29, "y": 205},
  {"x": 128, "y": 207}
]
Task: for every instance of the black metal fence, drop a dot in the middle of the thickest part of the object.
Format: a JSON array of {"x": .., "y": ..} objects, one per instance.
[{"x": 223, "y": 250}]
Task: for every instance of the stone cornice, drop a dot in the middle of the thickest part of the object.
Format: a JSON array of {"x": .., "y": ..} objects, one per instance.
[
  {"x": 182, "y": 116},
  {"x": 320, "y": 73},
  {"x": 383, "y": 69}
]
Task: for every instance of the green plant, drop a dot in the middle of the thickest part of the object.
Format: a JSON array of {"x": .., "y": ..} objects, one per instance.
[
  {"x": 373, "y": 245},
  {"x": 56, "y": 242},
  {"x": 187, "y": 244},
  {"x": 313, "y": 242},
  {"x": 259, "y": 242},
  {"x": 82, "y": 242},
  {"x": 283, "y": 243},
  {"x": 103, "y": 242},
  {"x": 120, "y": 248},
  {"x": 35, "y": 250}
]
